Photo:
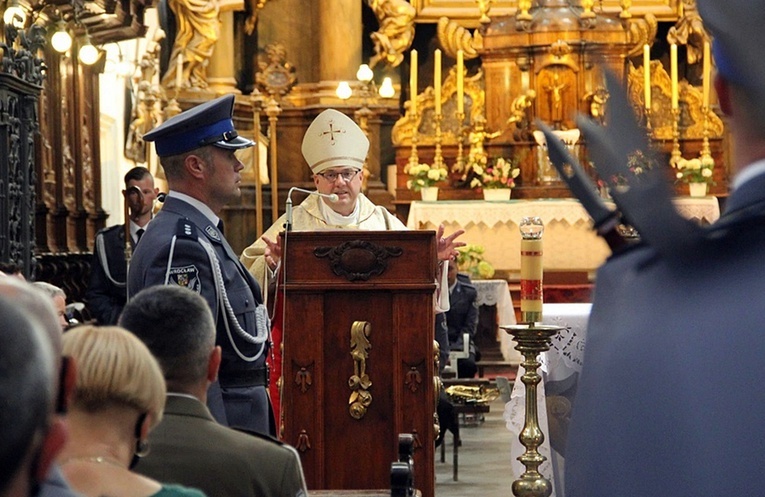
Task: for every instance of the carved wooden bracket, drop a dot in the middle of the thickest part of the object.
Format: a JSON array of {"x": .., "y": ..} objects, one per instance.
[
  {"x": 304, "y": 378},
  {"x": 303, "y": 442},
  {"x": 358, "y": 260}
]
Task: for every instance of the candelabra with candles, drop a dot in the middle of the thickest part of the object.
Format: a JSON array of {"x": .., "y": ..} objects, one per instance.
[
  {"x": 438, "y": 117},
  {"x": 706, "y": 151},
  {"x": 532, "y": 339}
]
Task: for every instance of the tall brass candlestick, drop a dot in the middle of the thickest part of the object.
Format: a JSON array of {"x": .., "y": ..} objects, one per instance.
[
  {"x": 438, "y": 158},
  {"x": 531, "y": 339},
  {"x": 676, "y": 154},
  {"x": 414, "y": 160},
  {"x": 531, "y": 229},
  {"x": 706, "y": 152},
  {"x": 272, "y": 111},
  {"x": 459, "y": 165}
]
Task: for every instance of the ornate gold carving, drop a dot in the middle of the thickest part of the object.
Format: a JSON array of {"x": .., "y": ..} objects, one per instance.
[
  {"x": 484, "y": 6},
  {"x": 520, "y": 114},
  {"x": 198, "y": 31},
  {"x": 453, "y": 37},
  {"x": 625, "y": 5},
  {"x": 254, "y": 7},
  {"x": 276, "y": 76},
  {"x": 689, "y": 30},
  {"x": 690, "y": 100},
  {"x": 358, "y": 259},
  {"x": 641, "y": 32},
  {"x": 396, "y": 33},
  {"x": 145, "y": 114},
  {"x": 560, "y": 49},
  {"x": 303, "y": 443},
  {"x": 450, "y": 127},
  {"x": 359, "y": 382}
]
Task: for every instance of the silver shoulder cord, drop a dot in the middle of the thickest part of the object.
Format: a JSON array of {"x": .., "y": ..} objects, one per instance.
[
  {"x": 101, "y": 247},
  {"x": 262, "y": 323}
]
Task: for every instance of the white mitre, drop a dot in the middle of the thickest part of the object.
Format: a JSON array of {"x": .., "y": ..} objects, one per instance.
[{"x": 334, "y": 140}]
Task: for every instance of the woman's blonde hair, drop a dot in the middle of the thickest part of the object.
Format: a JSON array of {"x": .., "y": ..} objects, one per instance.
[{"x": 114, "y": 369}]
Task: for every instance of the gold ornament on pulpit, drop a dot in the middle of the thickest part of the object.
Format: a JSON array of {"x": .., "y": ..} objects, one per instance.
[{"x": 484, "y": 6}]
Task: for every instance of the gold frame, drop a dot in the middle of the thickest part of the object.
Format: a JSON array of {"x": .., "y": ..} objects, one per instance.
[{"x": 467, "y": 14}]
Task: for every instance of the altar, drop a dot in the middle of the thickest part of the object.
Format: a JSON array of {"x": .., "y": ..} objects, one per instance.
[{"x": 570, "y": 244}]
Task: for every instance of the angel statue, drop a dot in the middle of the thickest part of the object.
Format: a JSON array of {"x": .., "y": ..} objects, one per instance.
[{"x": 396, "y": 33}]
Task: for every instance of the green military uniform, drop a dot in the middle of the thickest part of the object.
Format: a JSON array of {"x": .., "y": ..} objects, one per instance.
[{"x": 190, "y": 448}]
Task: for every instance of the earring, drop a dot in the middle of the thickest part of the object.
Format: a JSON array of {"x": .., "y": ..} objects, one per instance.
[{"x": 142, "y": 448}]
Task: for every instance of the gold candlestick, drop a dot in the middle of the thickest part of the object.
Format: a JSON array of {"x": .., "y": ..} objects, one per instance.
[
  {"x": 676, "y": 154},
  {"x": 706, "y": 152},
  {"x": 532, "y": 339},
  {"x": 438, "y": 159},
  {"x": 648, "y": 128},
  {"x": 272, "y": 111},
  {"x": 459, "y": 164},
  {"x": 414, "y": 160}
]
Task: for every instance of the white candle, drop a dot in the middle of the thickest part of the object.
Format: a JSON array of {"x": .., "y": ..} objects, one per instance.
[
  {"x": 179, "y": 71},
  {"x": 460, "y": 82},
  {"x": 706, "y": 74},
  {"x": 673, "y": 76},
  {"x": 413, "y": 81},
  {"x": 647, "y": 76},
  {"x": 437, "y": 81}
]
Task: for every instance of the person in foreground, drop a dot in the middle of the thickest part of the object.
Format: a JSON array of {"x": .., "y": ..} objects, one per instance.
[
  {"x": 184, "y": 245},
  {"x": 118, "y": 398},
  {"x": 668, "y": 401},
  {"x": 189, "y": 447},
  {"x": 30, "y": 436}
]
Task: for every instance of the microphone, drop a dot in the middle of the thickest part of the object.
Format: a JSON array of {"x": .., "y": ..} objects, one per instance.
[{"x": 332, "y": 197}]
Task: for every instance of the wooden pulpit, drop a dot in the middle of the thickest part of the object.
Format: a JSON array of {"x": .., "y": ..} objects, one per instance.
[{"x": 358, "y": 365}]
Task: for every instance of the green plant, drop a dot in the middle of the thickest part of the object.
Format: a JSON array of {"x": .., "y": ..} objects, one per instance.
[
  {"x": 471, "y": 260},
  {"x": 501, "y": 173},
  {"x": 695, "y": 170},
  {"x": 424, "y": 176}
]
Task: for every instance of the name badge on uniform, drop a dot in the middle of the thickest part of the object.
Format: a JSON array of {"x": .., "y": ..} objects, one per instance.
[
  {"x": 187, "y": 276},
  {"x": 210, "y": 230}
]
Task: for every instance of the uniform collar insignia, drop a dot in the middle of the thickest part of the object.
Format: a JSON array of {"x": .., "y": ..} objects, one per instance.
[{"x": 212, "y": 232}]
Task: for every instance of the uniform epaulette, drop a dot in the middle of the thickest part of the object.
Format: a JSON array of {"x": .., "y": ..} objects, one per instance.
[
  {"x": 109, "y": 229},
  {"x": 186, "y": 229},
  {"x": 257, "y": 434}
]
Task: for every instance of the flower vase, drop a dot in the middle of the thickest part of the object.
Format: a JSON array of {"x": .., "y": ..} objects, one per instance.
[
  {"x": 429, "y": 193},
  {"x": 496, "y": 194},
  {"x": 697, "y": 189}
]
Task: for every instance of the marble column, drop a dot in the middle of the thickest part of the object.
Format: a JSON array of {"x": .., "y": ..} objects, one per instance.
[
  {"x": 220, "y": 71},
  {"x": 340, "y": 32}
]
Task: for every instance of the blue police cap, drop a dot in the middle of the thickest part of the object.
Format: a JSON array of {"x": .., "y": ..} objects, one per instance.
[{"x": 207, "y": 124}]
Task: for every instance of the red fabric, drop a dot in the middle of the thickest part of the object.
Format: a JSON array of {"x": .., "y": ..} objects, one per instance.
[{"x": 274, "y": 362}]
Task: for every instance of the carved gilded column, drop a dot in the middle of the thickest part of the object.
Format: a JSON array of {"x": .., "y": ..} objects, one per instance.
[
  {"x": 340, "y": 32},
  {"x": 220, "y": 72}
]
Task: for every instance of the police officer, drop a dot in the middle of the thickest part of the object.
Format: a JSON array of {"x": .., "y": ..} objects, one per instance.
[
  {"x": 669, "y": 400},
  {"x": 184, "y": 245},
  {"x": 107, "y": 292}
]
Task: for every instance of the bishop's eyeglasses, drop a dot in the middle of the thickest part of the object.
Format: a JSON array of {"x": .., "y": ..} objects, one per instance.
[{"x": 347, "y": 175}]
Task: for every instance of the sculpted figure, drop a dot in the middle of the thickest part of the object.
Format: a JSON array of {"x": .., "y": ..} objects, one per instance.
[
  {"x": 396, "y": 18},
  {"x": 198, "y": 30}
]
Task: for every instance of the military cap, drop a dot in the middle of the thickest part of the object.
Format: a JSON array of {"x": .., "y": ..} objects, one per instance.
[
  {"x": 737, "y": 27},
  {"x": 334, "y": 140},
  {"x": 207, "y": 124}
]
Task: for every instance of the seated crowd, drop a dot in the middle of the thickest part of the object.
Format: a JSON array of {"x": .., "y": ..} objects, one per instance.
[{"x": 107, "y": 411}]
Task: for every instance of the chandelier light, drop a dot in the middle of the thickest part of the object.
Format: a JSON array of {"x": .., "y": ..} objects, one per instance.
[
  {"x": 14, "y": 15},
  {"x": 386, "y": 89},
  {"x": 344, "y": 91},
  {"x": 61, "y": 39},
  {"x": 88, "y": 54}
]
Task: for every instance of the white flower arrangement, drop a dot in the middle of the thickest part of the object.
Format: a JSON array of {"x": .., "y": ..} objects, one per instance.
[
  {"x": 424, "y": 176},
  {"x": 699, "y": 170}
]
